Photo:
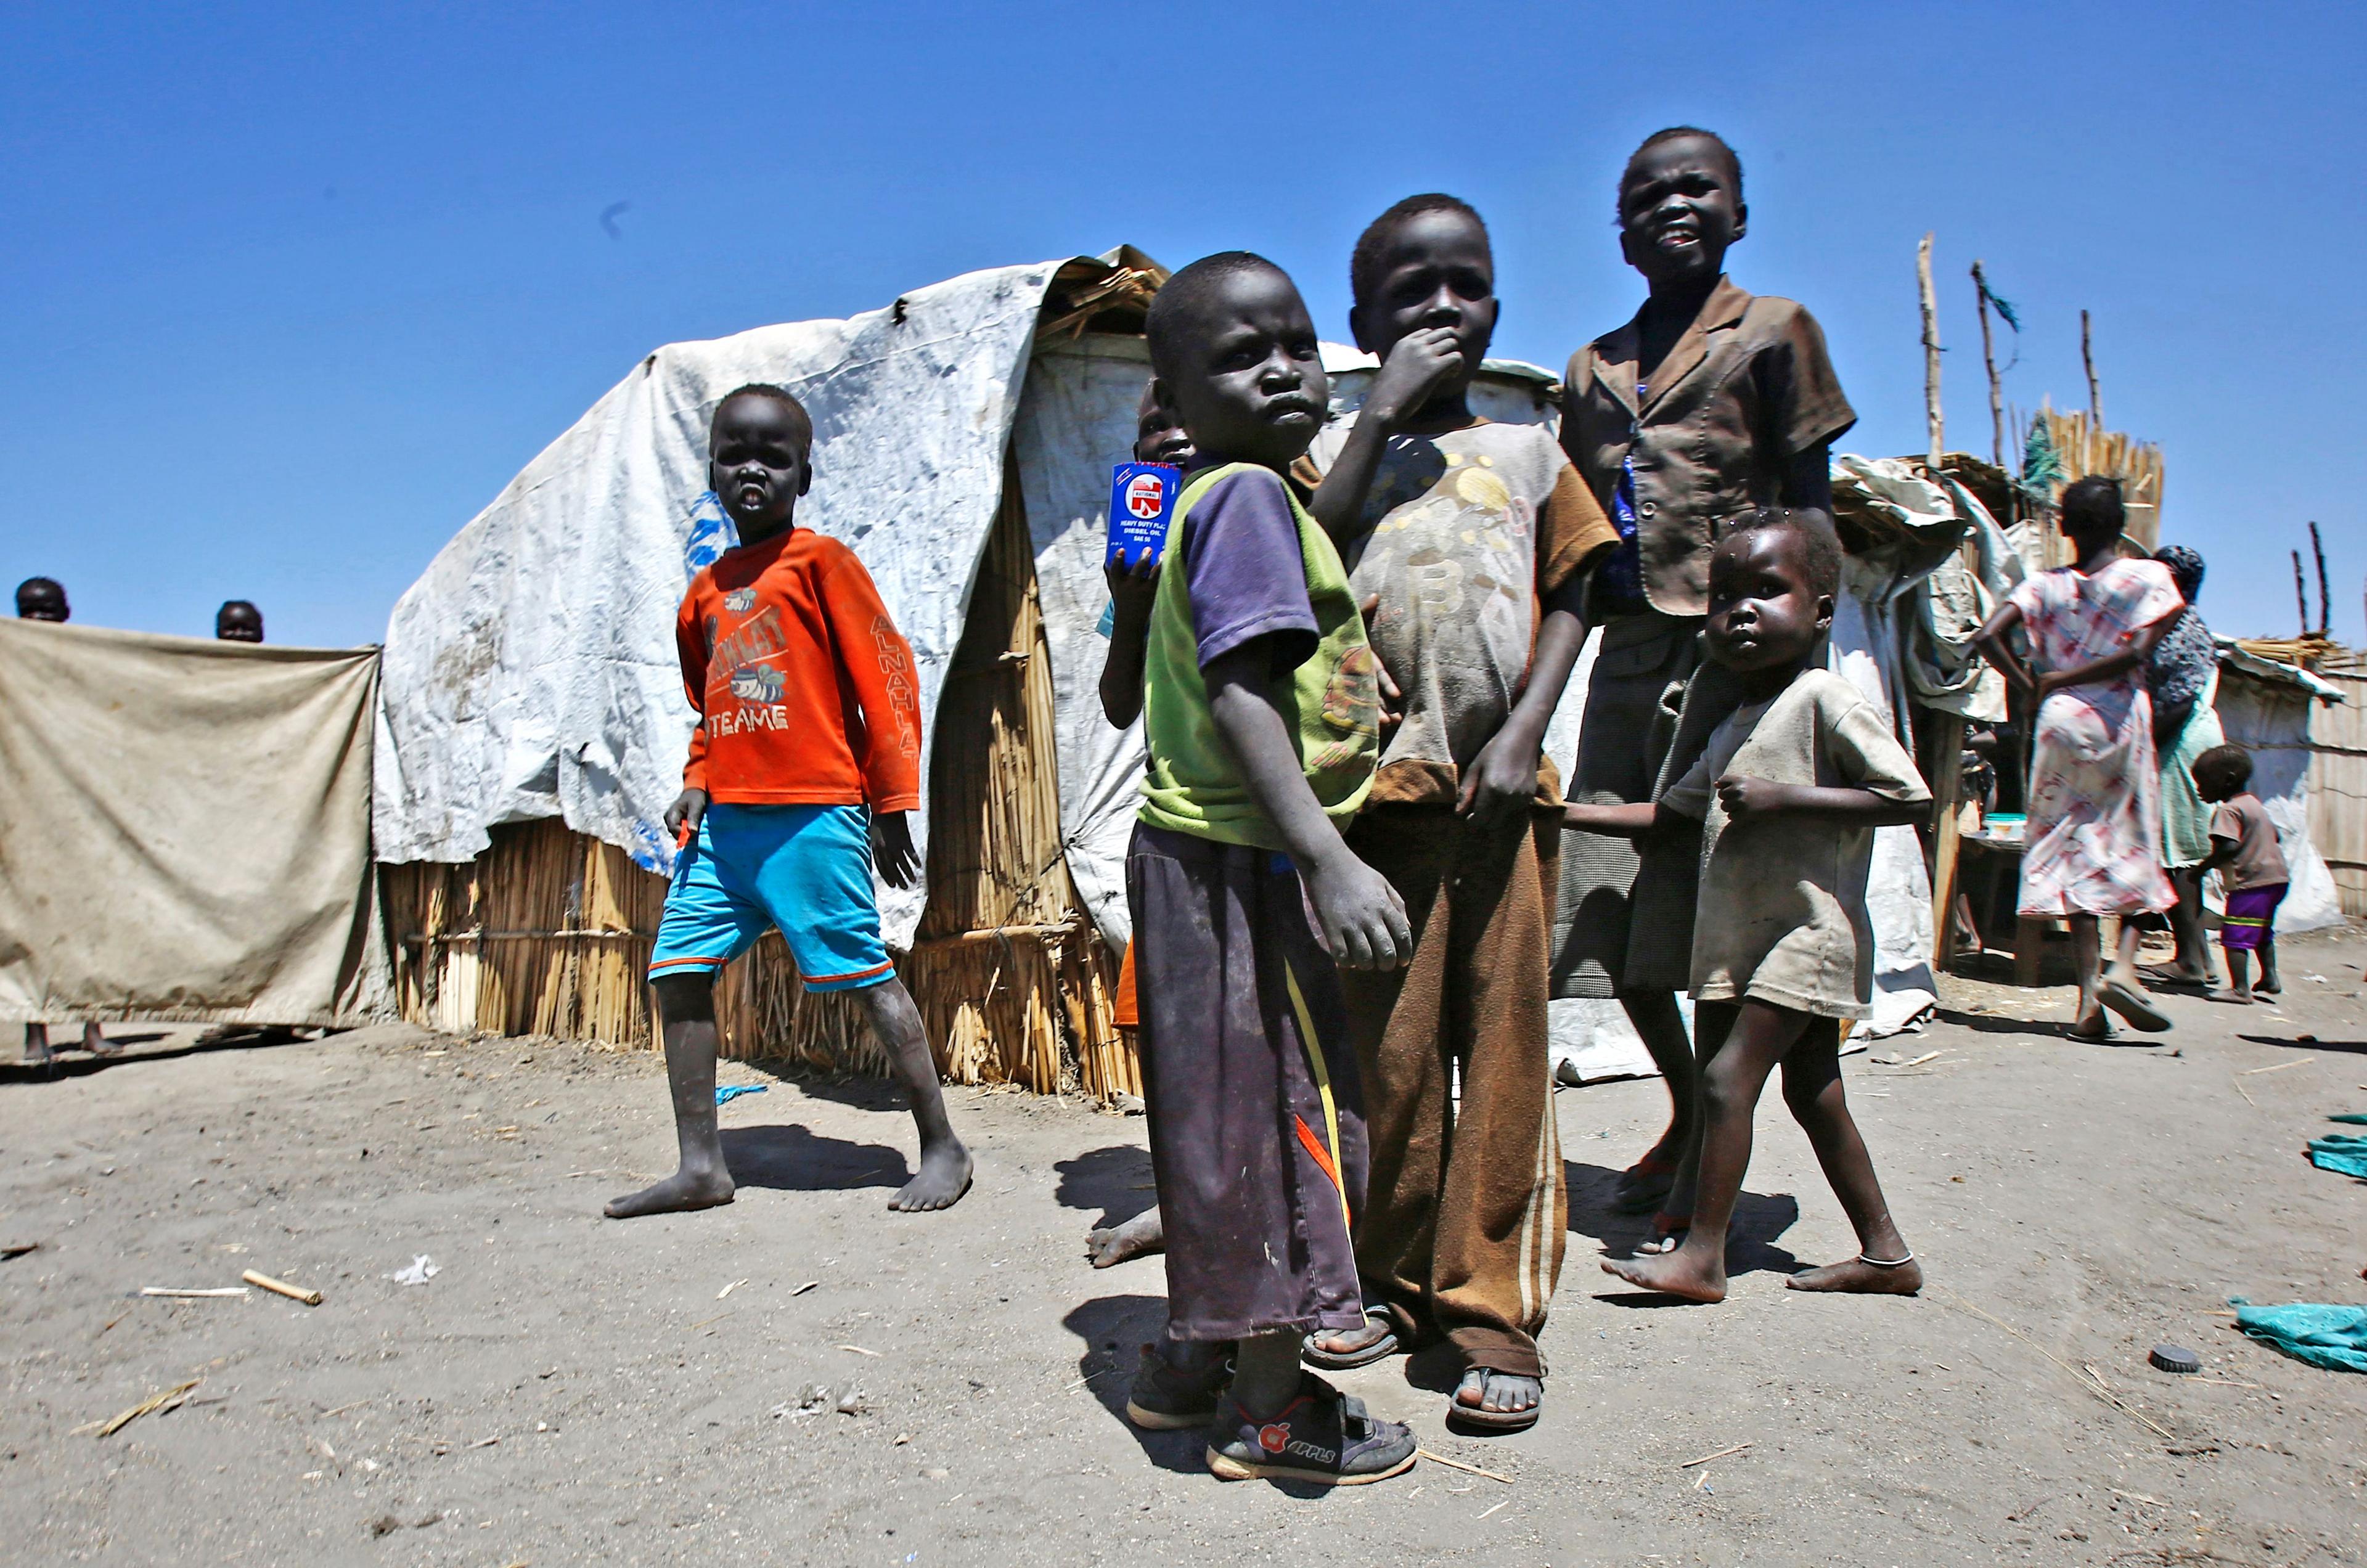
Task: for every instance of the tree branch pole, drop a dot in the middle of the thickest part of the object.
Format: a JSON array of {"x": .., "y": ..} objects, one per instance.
[
  {"x": 1930, "y": 350},
  {"x": 2088, "y": 358},
  {"x": 2301, "y": 593},
  {"x": 2325, "y": 615},
  {"x": 1989, "y": 360}
]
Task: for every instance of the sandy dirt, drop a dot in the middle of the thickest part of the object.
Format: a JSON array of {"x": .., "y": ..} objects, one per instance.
[{"x": 569, "y": 1390}]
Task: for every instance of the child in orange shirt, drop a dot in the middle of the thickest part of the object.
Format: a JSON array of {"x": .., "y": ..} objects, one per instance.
[{"x": 805, "y": 760}]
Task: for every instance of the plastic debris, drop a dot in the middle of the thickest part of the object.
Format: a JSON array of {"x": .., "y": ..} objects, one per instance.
[
  {"x": 2334, "y": 1337},
  {"x": 726, "y": 1093},
  {"x": 2345, "y": 1153},
  {"x": 812, "y": 1400},
  {"x": 422, "y": 1269}
]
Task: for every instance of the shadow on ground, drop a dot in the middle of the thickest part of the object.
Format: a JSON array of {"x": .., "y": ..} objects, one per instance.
[
  {"x": 1759, "y": 1218},
  {"x": 73, "y": 1061},
  {"x": 1116, "y": 1180},
  {"x": 2299, "y": 1042},
  {"x": 1115, "y": 1329},
  {"x": 791, "y": 1160}
]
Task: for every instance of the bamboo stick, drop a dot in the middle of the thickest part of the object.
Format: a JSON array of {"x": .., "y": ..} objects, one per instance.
[
  {"x": 2088, "y": 359},
  {"x": 2317, "y": 549},
  {"x": 1988, "y": 361},
  {"x": 1931, "y": 353}
]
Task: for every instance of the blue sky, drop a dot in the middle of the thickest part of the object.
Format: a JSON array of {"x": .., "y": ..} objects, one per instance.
[{"x": 292, "y": 292}]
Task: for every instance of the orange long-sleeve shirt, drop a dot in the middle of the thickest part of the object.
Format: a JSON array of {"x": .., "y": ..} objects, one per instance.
[{"x": 804, "y": 684}]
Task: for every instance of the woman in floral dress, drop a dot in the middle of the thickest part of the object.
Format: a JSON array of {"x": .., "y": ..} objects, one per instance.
[{"x": 2094, "y": 840}]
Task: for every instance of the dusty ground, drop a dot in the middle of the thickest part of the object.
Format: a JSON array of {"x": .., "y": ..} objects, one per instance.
[{"x": 569, "y": 1390}]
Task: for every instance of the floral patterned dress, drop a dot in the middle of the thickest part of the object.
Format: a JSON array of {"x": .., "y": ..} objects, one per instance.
[{"x": 2094, "y": 844}]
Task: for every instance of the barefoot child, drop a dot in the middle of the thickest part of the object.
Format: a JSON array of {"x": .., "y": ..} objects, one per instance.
[
  {"x": 1788, "y": 792},
  {"x": 1470, "y": 541},
  {"x": 1259, "y": 713},
  {"x": 1710, "y": 401},
  {"x": 2251, "y": 867},
  {"x": 805, "y": 760}
]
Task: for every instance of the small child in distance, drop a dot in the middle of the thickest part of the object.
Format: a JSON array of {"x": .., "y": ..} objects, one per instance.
[{"x": 2252, "y": 866}]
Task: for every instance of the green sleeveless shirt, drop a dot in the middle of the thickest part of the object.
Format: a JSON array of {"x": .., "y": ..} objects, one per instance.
[{"x": 1331, "y": 700}]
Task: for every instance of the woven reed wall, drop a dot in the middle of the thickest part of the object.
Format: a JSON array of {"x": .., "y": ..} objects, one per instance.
[{"x": 548, "y": 932}]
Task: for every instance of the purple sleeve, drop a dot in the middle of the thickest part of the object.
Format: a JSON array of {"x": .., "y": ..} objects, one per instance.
[{"x": 1244, "y": 572}]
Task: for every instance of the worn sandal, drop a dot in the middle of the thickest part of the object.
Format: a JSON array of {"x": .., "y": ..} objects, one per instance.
[
  {"x": 1461, "y": 1414},
  {"x": 2133, "y": 1006},
  {"x": 1323, "y": 1435},
  {"x": 1385, "y": 1347}
]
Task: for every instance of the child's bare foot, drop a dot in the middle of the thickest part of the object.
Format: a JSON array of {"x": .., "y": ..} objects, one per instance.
[
  {"x": 1137, "y": 1237},
  {"x": 682, "y": 1192},
  {"x": 1862, "y": 1276},
  {"x": 1645, "y": 1183},
  {"x": 1673, "y": 1275},
  {"x": 945, "y": 1175},
  {"x": 1669, "y": 1232},
  {"x": 2240, "y": 999}
]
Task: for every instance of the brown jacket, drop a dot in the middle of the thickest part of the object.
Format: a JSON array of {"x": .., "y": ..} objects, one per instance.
[{"x": 1747, "y": 389}]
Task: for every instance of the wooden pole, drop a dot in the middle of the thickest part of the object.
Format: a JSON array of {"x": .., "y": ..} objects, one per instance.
[
  {"x": 1988, "y": 359},
  {"x": 1930, "y": 350},
  {"x": 2324, "y": 615},
  {"x": 2301, "y": 593},
  {"x": 1947, "y": 793},
  {"x": 2095, "y": 397}
]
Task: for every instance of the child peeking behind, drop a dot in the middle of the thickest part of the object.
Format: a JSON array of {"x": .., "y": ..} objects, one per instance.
[{"x": 1788, "y": 790}]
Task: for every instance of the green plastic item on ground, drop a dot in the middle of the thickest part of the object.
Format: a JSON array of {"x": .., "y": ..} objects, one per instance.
[{"x": 2334, "y": 1337}]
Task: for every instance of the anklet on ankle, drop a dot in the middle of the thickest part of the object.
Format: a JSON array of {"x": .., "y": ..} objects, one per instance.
[{"x": 1886, "y": 1262}]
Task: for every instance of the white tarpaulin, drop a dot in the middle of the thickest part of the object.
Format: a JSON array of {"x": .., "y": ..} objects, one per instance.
[
  {"x": 2265, "y": 707},
  {"x": 531, "y": 671}
]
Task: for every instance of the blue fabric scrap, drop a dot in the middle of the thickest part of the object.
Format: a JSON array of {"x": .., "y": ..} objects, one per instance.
[
  {"x": 2333, "y": 1337},
  {"x": 726, "y": 1093}
]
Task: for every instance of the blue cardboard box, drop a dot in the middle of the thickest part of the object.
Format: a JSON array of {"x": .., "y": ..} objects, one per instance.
[{"x": 1142, "y": 501}]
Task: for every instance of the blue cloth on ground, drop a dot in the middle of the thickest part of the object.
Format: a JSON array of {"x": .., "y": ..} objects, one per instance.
[
  {"x": 2334, "y": 1337},
  {"x": 2342, "y": 1152},
  {"x": 726, "y": 1093}
]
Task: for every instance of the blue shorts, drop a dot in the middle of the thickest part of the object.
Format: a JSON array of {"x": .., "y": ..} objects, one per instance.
[{"x": 806, "y": 869}]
